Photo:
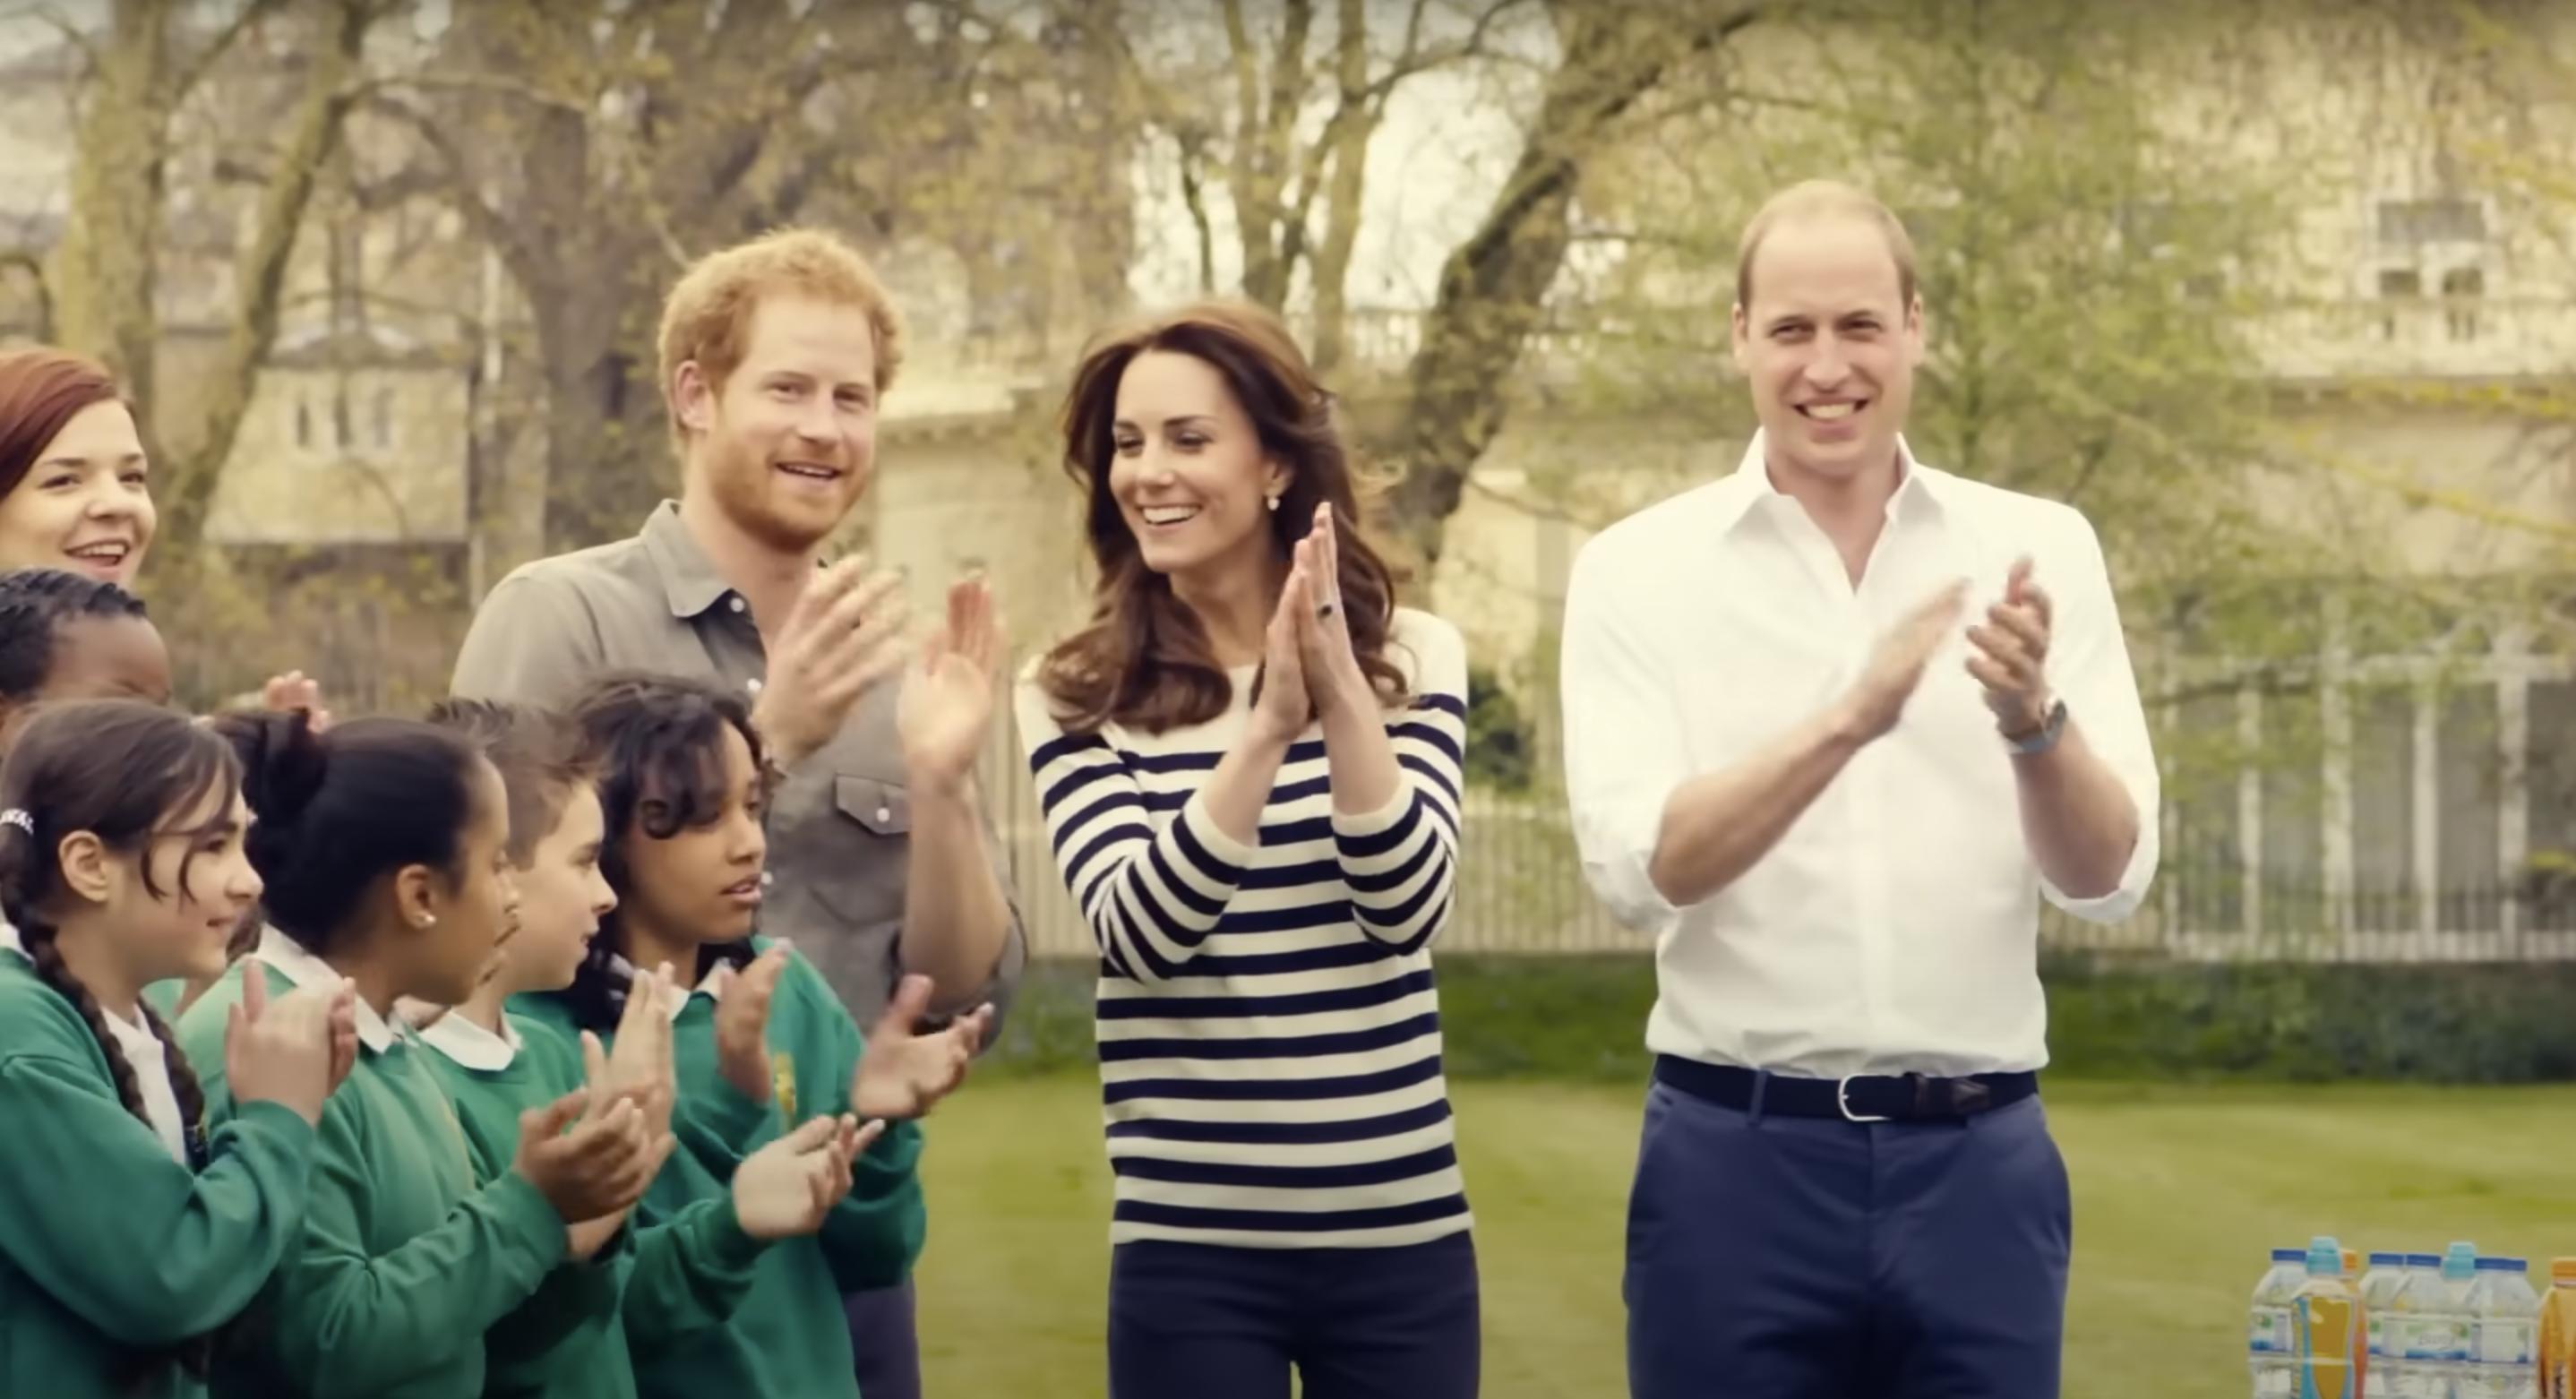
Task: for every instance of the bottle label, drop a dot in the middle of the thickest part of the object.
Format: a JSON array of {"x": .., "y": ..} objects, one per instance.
[
  {"x": 2379, "y": 1334},
  {"x": 2504, "y": 1341},
  {"x": 2271, "y": 1332},
  {"x": 2437, "y": 1338}
]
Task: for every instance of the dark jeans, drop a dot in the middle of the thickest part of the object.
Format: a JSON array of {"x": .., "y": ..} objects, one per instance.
[
  {"x": 1198, "y": 1321},
  {"x": 883, "y": 1345},
  {"x": 1803, "y": 1258}
]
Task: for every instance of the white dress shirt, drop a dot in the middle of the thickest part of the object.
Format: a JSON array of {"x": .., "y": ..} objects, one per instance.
[{"x": 1894, "y": 928}]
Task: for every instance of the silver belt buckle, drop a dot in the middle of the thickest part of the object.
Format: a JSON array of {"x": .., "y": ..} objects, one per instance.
[{"x": 1842, "y": 1100}]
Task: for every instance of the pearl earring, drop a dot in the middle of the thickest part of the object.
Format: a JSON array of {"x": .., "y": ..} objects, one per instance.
[
  {"x": 429, "y": 920},
  {"x": 1274, "y": 505}
]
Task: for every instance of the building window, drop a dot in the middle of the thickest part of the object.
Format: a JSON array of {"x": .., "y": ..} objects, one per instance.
[
  {"x": 303, "y": 423},
  {"x": 2397, "y": 285},
  {"x": 2407, "y": 223},
  {"x": 384, "y": 418},
  {"x": 2381, "y": 764},
  {"x": 2547, "y": 879},
  {"x": 2461, "y": 289}
]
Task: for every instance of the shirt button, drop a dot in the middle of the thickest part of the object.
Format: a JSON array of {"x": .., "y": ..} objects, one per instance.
[
  {"x": 736, "y": 604},
  {"x": 753, "y": 684},
  {"x": 884, "y": 815}
]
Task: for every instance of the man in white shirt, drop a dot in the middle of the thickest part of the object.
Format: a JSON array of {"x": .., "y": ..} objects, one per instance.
[{"x": 1834, "y": 723}]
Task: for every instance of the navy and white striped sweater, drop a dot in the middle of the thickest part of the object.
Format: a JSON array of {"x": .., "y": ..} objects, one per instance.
[{"x": 1269, "y": 1030}]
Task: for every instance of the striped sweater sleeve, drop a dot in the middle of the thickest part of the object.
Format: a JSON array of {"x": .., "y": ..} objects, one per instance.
[
  {"x": 1401, "y": 863},
  {"x": 1151, "y": 899}
]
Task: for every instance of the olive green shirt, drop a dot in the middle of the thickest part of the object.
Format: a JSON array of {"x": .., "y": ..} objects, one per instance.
[{"x": 839, "y": 827}]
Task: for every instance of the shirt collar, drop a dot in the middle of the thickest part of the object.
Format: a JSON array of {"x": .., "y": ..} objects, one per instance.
[
  {"x": 9, "y": 938},
  {"x": 302, "y": 968},
  {"x": 690, "y": 582},
  {"x": 137, "y": 1038},
  {"x": 1749, "y": 487},
  {"x": 470, "y": 1044},
  {"x": 710, "y": 986}
]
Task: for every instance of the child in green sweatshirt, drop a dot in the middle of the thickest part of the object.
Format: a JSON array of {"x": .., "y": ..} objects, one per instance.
[
  {"x": 381, "y": 846},
  {"x": 760, "y": 1042},
  {"x": 126, "y": 1234},
  {"x": 568, "y": 1341}
]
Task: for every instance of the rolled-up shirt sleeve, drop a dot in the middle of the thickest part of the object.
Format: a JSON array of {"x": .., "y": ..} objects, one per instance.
[
  {"x": 2090, "y": 668},
  {"x": 1624, "y": 746}
]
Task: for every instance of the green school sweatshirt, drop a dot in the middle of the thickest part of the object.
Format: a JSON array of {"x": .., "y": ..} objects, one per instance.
[
  {"x": 405, "y": 1262},
  {"x": 790, "y": 1337},
  {"x": 163, "y": 996},
  {"x": 569, "y": 1340},
  {"x": 109, "y": 1249}
]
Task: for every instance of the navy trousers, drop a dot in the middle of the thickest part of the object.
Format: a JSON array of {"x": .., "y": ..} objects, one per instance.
[
  {"x": 1198, "y": 1321},
  {"x": 884, "y": 1348},
  {"x": 1802, "y": 1258}
]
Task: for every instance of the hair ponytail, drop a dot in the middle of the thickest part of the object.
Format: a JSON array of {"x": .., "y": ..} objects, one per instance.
[{"x": 336, "y": 811}]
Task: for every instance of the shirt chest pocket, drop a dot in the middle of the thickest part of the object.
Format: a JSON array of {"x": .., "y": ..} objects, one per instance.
[
  {"x": 869, "y": 846},
  {"x": 881, "y": 808}
]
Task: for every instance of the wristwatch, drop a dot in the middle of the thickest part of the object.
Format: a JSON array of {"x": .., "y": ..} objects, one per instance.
[{"x": 2043, "y": 738}]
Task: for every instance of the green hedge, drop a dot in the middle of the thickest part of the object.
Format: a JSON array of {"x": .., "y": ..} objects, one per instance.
[{"x": 1583, "y": 1017}]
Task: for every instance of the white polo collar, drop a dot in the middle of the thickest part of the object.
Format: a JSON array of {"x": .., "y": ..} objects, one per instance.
[
  {"x": 710, "y": 986},
  {"x": 470, "y": 1045},
  {"x": 302, "y": 968}
]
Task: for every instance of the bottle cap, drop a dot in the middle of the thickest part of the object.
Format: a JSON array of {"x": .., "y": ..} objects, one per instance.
[
  {"x": 2503, "y": 1265},
  {"x": 2432, "y": 1260},
  {"x": 2563, "y": 1270},
  {"x": 2325, "y": 1257},
  {"x": 2300, "y": 1255},
  {"x": 2388, "y": 1260}
]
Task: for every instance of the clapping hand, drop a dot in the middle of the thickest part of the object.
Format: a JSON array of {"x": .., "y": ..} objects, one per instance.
[
  {"x": 2012, "y": 653},
  {"x": 902, "y": 1074}
]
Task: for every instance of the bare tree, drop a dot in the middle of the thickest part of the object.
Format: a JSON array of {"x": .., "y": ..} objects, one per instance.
[
  {"x": 104, "y": 276},
  {"x": 600, "y": 147}
]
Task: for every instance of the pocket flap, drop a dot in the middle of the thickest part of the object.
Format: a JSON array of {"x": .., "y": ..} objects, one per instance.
[{"x": 882, "y": 807}]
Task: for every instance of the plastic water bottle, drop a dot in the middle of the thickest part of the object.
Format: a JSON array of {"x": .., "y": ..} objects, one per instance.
[
  {"x": 2507, "y": 1314},
  {"x": 2438, "y": 1360},
  {"x": 2419, "y": 1374},
  {"x": 2267, "y": 1347},
  {"x": 2322, "y": 1328},
  {"x": 2383, "y": 1306}
]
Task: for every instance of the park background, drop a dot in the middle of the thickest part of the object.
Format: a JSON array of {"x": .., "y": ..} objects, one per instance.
[{"x": 2278, "y": 292}]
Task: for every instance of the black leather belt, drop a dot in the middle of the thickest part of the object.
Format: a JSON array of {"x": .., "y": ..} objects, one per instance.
[{"x": 1861, "y": 1098}]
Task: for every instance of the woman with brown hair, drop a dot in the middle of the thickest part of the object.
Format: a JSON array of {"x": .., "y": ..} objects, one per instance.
[
  {"x": 75, "y": 489},
  {"x": 1249, "y": 764},
  {"x": 75, "y": 485}
]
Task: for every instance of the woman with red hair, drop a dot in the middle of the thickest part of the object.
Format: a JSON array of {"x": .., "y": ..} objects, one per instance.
[{"x": 75, "y": 490}]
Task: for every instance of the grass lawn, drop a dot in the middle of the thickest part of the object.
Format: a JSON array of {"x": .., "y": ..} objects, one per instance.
[{"x": 2177, "y": 1193}]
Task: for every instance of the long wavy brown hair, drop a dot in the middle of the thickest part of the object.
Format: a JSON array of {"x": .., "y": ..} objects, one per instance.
[{"x": 1143, "y": 661}]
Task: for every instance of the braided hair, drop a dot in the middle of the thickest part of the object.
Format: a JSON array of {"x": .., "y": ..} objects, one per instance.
[
  {"x": 35, "y": 604},
  {"x": 122, "y": 771},
  {"x": 657, "y": 743}
]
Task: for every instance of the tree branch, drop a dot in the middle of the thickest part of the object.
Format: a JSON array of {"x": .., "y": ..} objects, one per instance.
[
  {"x": 460, "y": 187},
  {"x": 321, "y": 114},
  {"x": 493, "y": 84},
  {"x": 53, "y": 18},
  {"x": 244, "y": 19},
  {"x": 34, "y": 267}
]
